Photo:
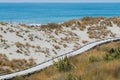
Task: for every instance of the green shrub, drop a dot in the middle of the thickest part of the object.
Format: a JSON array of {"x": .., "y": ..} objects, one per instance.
[
  {"x": 63, "y": 64},
  {"x": 112, "y": 53}
]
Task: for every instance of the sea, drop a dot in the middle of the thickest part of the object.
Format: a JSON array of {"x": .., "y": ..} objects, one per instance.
[{"x": 43, "y": 13}]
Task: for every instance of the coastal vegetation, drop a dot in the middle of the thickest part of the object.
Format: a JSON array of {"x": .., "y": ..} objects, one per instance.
[
  {"x": 63, "y": 65},
  {"x": 95, "y": 64},
  {"x": 22, "y": 42},
  {"x": 8, "y": 66}
]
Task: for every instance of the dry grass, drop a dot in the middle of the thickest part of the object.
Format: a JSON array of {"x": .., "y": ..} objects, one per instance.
[
  {"x": 98, "y": 32},
  {"x": 96, "y": 29},
  {"x": 100, "y": 24},
  {"x": 7, "y": 66},
  {"x": 97, "y": 70},
  {"x": 50, "y": 26},
  {"x": 3, "y": 23}
]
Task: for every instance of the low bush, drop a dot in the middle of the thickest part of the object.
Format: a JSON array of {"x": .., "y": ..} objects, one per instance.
[
  {"x": 112, "y": 53},
  {"x": 64, "y": 65}
]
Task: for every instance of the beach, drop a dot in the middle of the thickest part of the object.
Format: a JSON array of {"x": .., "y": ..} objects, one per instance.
[{"x": 44, "y": 42}]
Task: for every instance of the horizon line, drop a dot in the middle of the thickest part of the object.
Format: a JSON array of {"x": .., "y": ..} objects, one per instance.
[{"x": 61, "y": 2}]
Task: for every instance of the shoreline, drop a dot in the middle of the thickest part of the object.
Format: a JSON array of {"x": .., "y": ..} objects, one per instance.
[{"x": 45, "y": 23}]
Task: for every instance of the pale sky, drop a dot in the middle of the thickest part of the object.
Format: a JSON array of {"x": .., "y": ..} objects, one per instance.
[{"x": 59, "y": 0}]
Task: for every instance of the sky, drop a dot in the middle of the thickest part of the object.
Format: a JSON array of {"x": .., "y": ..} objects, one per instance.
[{"x": 59, "y": 0}]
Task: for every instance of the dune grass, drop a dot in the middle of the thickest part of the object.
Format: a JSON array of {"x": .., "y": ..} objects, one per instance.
[
  {"x": 8, "y": 66},
  {"x": 90, "y": 65}
]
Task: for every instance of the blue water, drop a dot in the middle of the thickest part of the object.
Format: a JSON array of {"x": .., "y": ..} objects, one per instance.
[{"x": 54, "y": 12}]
